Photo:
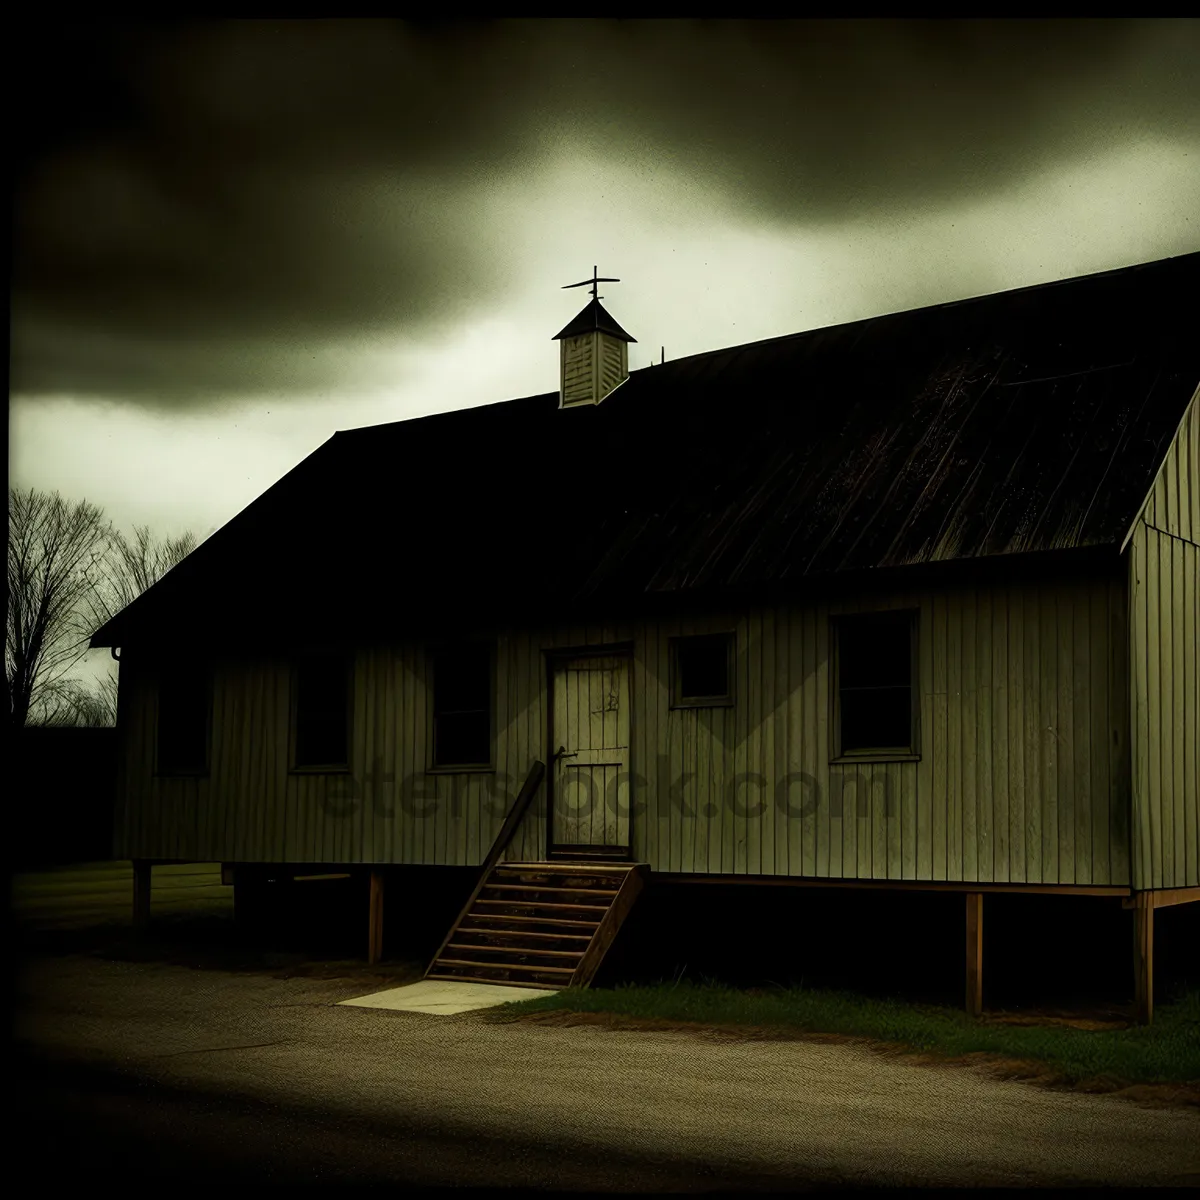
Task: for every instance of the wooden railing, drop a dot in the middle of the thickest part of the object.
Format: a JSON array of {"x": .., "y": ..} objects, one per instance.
[{"x": 507, "y": 832}]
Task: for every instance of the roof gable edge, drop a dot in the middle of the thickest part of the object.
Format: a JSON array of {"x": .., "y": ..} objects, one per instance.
[{"x": 1183, "y": 420}]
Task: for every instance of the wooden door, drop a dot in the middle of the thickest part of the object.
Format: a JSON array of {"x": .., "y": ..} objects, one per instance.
[{"x": 590, "y": 790}]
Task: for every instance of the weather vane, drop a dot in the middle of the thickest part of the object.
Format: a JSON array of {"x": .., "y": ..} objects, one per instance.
[{"x": 592, "y": 283}]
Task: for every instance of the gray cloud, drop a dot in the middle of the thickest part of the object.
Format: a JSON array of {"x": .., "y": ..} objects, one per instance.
[{"x": 212, "y": 207}]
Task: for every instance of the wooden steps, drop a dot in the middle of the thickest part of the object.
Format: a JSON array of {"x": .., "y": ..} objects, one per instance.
[{"x": 542, "y": 924}]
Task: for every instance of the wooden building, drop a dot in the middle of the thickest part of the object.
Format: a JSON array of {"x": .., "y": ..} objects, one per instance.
[{"x": 908, "y": 602}]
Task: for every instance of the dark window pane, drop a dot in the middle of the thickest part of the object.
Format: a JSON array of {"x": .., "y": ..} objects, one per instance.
[
  {"x": 321, "y": 740},
  {"x": 875, "y": 681},
  {"x": 462, "y": 738},
  {"x": 183, "y": 721},
  {"x": 874, "y": 650},
  {"x": 703, "y": 665},
  {"x": 321, "y": 712},
  {"x": 876, "y": 719},
  {"x": 462, "y": 705},
  {"x": 462, "y": 679}
]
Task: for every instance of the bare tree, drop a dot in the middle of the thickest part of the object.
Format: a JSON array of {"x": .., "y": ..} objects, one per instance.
[
  {"x": 72, "y": 703},
  {"x": 69, "y": 571},
  {"x": 106, "y": 699},
  {"x": 56, "y": 555},
  {"x": 134, "y": 564}
]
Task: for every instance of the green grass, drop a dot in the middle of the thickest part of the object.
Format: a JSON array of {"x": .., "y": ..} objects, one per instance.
[{"x": 1166, "y": 1052}]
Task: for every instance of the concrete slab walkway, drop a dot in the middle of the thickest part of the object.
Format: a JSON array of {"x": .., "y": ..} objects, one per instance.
[{"x": 446, "y": 996}]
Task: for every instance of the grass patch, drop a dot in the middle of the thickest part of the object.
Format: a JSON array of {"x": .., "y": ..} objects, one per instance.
[{"x": 1166, "y": 1052}]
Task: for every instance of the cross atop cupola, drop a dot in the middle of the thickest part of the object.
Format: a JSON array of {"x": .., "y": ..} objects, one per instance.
[{"x": 592, "y": 283}]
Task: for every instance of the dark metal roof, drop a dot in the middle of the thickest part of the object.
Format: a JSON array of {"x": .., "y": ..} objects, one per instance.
[
  {"x": 590, "y": 319},
  {"x": 1027, "y": 421}
]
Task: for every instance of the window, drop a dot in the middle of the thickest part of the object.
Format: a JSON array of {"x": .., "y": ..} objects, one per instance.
[
  {"x": 321, "y": 699},
  {"x": 462, "y": 706},
  {"x": 702, "y": 671},
  {"x": 183, "y": 708},
  {"x": 875, "y": 709}
]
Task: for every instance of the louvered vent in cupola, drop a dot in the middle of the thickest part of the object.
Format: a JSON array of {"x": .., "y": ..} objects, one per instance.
[{"x": 593, "y": 352}]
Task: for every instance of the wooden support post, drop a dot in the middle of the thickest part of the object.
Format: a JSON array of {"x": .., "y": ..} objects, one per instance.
[
  {"x": 375, "y": 918},
  {"x": 974, "y": 953},
  {"x": 1143, "y": 957},
  {"x": 141, "y": 892}
]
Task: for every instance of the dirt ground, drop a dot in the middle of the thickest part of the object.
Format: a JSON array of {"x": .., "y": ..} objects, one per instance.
[
  {"x": 204, "y": 1042},
  {"x": 195, "y": 1057}
]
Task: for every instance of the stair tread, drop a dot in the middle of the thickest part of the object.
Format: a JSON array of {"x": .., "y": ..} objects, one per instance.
[
  {"x": 601, "y": 878},
  {"x": 575, "y": 937},
  {"x": 596, "y": 908},
  {"x": 519, "y": 910},
  {"x": 563, "y": 864},
  {"x": 515, "y": 950},
  {"x": 537, "y": 887},
  {"x": 469, "y": 962},
  {"x": 474, "y": 916},
  {"x": 599, "y": 875},
  {"x": 481, "y": 979}
]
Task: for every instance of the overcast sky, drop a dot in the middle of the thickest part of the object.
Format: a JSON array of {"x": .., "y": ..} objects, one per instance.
[{"x": 234, "y": 239}]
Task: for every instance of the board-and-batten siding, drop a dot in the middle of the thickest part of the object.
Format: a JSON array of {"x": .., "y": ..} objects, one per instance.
[
  {"x": 1164, "y": 590},
  {"x": 1024, "y": 768},
  {"x": 1023, "y": 775}
]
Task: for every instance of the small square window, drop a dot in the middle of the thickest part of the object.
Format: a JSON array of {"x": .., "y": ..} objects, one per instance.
[
  {"x": 184, "y": 694},
  {"x": 462, "y": 706},
  {"x": 702, "y": 671},
  {"x": 322, "y": 711},
  {"x": 875, "y": 706}
]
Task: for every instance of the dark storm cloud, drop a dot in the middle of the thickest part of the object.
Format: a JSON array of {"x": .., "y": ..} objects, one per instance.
[
  {"x": 241, "y": 196},
  {"x": 205, "y": 209},
  {"x": 844, "y": 118}
]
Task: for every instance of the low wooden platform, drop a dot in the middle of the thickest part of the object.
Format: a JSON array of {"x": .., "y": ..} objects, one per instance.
[{"x": 541, "y": 924}]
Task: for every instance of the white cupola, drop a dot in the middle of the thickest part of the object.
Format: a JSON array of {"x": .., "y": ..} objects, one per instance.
[{"x": 593, "y": 352}]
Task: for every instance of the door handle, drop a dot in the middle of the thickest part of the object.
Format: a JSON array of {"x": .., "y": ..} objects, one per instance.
[{"x": 561, "y": 752}]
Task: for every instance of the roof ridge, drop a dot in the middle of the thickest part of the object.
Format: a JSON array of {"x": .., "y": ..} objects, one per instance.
[
  {"x": 941, "y": 304},
  {"x": 802, "y": 333}
]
